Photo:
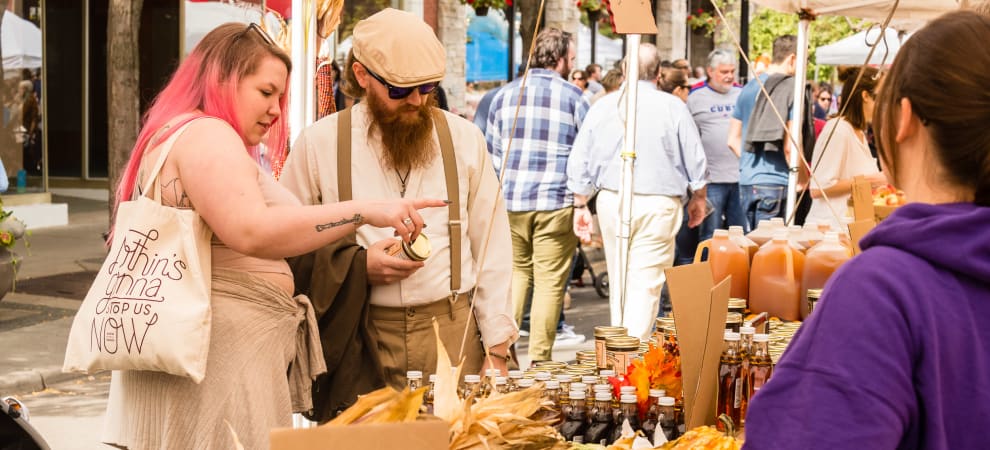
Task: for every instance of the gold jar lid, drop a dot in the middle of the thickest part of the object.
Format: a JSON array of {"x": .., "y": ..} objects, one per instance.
[
  {"x": 622, "y": 343},
  {"x": 605, "y": 331},
  {"x": 419, "y": 249},
  {"x": 663, "y": 322},
  {"x": 733, "y": 318},
  {"x": 737, "y": 303},
  {"x": 814, "y": 293},
  {"x": 586, "y": 355},
  {"x": 550, "y": 364}
]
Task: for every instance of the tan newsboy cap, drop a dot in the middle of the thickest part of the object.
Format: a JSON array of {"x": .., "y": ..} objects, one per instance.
[{"x": 399, "y": 47}]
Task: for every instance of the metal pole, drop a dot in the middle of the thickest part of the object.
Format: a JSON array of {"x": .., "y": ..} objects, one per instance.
[
  {"x": 743, "y": 40},
  {"x": 628, "y": 162},
  {"x": 594, "y": 38},
  {"x": 297, "y": 89},
  {"x": 512, "y": 41},
  {"x": 800, "y": 77}
]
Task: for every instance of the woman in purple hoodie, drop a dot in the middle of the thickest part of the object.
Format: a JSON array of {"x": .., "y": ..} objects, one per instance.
[{"x": 897, "y": 353}]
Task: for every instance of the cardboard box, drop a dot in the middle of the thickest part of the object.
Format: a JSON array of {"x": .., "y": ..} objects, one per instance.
[
  {"x": 700, "y": 308},
  {"x": 419, "y": 435}
]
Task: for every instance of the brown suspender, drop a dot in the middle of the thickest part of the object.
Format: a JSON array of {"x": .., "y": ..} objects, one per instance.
[{"x": 450, "y": 176}]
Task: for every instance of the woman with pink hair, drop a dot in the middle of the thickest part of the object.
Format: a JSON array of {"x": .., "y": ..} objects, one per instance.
[{"x": 224, "y": 101}]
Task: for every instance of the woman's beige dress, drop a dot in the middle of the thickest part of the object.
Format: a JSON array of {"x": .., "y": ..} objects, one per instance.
[{"x": 264, "y": 353}]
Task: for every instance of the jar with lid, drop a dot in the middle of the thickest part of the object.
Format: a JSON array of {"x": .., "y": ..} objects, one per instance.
[
  {"x": 668, "y": 418},
  {"x": 471, "y": 386},
  {"x": 414, "y": 379},
  {"x": 418, "y": 250},
  {"x": 621, "y": 351},
  {"x": 601, "y": 351},
  {"x": 652, "y": 418},
  {"x": 502, "y": 385},
  {"x": 627, "y": 412},
  {"x": 733, "y": 321},
  {"x": 737, "y": 305},
  {"x": 514, "y": 377},
  {"x": 430, "y": 394},
  {"x": 813, "y": 296}
]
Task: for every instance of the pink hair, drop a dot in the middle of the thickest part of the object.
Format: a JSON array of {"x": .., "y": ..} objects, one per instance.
[{"x": 206, "y": 84}]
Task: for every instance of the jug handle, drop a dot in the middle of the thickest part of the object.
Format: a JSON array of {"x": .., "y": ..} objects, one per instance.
[{"x": 707, "y": 243}]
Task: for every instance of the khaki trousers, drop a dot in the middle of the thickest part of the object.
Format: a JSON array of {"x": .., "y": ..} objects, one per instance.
[
  {"x": 655, "y": 222},
  {"x": 406, "y": 340},
  {"x": 543, "y": 244}
]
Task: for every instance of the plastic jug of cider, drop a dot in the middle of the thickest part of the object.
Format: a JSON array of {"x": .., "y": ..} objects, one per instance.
[
  {"x": 775, "y": 279},
  {"x": 726, "y": 258},
  {"x": 762, "y": 233},
  {"x": 820, "y": 262},
  {"x": 737, "y": 236},
  {"x": 812, "y": 234}
]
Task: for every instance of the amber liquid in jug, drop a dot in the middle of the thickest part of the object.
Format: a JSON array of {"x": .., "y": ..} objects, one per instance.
[
  {"x": 726, "y": 258},
  {"x": 820, "y": 263},
  {"x": 737, "y": 236},
  {"x": 775, "y": 279}
]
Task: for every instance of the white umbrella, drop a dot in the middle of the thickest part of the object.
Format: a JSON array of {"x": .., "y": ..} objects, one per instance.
[
  {"x": 867, "y": 9},
  {"x": 853, "y": 49},
  {"x": 21, "y": 43}
]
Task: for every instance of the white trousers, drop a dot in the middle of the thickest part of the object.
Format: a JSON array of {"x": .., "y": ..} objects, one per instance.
[{"x": 654, "y": 225}]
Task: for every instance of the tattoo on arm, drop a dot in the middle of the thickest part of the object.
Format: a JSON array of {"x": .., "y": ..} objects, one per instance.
[
  {"x": 326, "y": 226},
  {"x": 179, "y": 196}
]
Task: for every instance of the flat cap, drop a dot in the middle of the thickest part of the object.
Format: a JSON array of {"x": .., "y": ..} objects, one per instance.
[{"x": 399, "y": 47}]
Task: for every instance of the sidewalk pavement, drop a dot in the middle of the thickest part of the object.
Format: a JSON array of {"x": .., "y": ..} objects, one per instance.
[{"x": 52, "y": 280}]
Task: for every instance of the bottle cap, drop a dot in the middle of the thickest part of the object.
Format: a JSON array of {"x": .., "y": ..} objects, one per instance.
[
  {"x": 626, "y": 390},
  {"x": 721, "y": 233},
  {"x": 542, "y": 376},
  {"x": 564, "y": 378},
  {"x": 603, "y": 396},
  {"x": 735, "y": 229},
  {"x": 602, "y": 388},
  {"x": 607, "y": 373},
  {"x": 666, "y": 401},
  {"x": 731, "y": 336},
  {"x": 629, "y": 398},
  {"x": 414, "y": 375},
  {"x": 747, "y": 330},
  {"x": 832, "y": 237},
  {"x": 491, "y": 373},
  {"x": 525, "y": 382},
  {"x": 576, "y": 394},
  {"x": 657, "y": 393},
  {"x": 515, "y": 374},
  {"x": 433, "y": 378},
  {"x": 501, "y": 380},
  {"x": 589, "y": 379},
  {"x": 780, "y": 235},
  {"x": 579, "y": 387},
  {"x": 552, "y": 384},
  {"x": 760, "y": 337}
]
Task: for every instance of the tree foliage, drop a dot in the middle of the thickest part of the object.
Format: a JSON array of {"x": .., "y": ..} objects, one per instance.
[{"x": 767, "y": 24}]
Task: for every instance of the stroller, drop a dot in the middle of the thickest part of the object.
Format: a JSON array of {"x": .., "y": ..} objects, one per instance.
[{"x": 591, "y": 259}]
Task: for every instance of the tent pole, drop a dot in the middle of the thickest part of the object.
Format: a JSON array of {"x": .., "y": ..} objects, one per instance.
[
  {"x": 800, "y": 78},
  {"x": 626, "y": 177}
]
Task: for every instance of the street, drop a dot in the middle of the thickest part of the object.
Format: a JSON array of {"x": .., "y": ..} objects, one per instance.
[{"x": 69, "y": 414}]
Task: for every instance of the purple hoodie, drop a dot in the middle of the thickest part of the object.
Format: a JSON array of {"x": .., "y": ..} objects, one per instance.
[{"x": 897, "y": 353}]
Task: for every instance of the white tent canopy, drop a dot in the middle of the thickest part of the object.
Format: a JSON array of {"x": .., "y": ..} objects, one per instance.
[
  {"x": 21, "y": 43},
  {"x": 854, "y": 49}
]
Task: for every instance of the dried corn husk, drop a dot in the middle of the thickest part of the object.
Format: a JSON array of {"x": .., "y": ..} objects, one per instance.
[{"x": 385, "y": 405}]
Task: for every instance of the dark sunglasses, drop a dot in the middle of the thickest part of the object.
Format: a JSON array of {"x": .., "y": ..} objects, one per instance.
[
  {"x": 399, "y": 93},
  {"x": 264, "y": 36},
  {"x": 825, "y": 99}
]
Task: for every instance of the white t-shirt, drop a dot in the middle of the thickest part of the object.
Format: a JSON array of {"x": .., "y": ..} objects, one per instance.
[{"x": 846, "y": 156}]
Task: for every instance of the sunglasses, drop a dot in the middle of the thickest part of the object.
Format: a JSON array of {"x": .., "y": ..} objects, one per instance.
[
  {"x": 264, "y": 36},
  {"x": 825, "y": 99},
  {"x": 399, "y": 93}
]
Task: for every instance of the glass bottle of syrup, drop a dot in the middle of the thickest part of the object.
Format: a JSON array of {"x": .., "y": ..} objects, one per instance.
[
  {"x": 760, "y": 365},
  {"x": 652, "y": 413},
  {"x": 669, "y": 422},
  {"x": 430, "y": 394},
  {"x": 602, "y": 421},
  {"x": 471, "y": 386},
  {"x": 576, "y": 421},
  {"x": 627, "y": 412},
  {"x": 731, "y": 396}
]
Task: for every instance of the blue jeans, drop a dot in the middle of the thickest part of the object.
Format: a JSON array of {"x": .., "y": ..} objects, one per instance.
[
  {"x": 728, "y": 211},
  {"x": 762, "y": 202}
]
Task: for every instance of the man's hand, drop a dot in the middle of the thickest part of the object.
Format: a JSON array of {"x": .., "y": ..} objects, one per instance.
[
  {"x": 696, "y": 207},
  {"x": 583, "y": 224},
  {"x": 497, "y": 363},
  {"x": 384, "y": 268}
]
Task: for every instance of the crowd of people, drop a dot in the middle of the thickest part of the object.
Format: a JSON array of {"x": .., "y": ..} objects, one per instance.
[{"x": 709, "y": 155}]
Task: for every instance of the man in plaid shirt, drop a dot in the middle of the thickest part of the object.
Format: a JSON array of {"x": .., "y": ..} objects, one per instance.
[{"x": 539, "y": 205}]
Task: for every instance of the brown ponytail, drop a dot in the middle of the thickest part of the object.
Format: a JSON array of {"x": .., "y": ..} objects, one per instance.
[{"x": 942, "y": 71}]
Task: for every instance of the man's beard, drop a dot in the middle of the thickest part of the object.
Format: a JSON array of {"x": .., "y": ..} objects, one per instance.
[{"x": 406, "y": 141}]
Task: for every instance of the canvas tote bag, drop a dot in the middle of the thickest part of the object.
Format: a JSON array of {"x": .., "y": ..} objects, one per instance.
[{"x": 149, "y": 307}]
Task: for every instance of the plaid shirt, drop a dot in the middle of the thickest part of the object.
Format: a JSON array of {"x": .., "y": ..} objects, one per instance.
[{"x": 536, "y": 172}]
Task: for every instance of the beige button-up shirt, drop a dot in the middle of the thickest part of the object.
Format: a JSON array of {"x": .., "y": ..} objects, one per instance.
[{"x": 311, "y": 173}]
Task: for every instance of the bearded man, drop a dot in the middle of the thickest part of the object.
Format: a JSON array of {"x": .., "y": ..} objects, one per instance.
[{"x": 396, "y": 149}]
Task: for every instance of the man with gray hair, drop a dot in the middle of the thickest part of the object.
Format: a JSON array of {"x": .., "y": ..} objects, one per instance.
[
  {"x": 535, "y": 182},
  {"x": 670, "y": 163},
  {"x": 711, "y": 104}
]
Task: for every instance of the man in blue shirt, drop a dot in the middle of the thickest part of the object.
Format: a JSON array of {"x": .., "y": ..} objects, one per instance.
[
  {"x": 670, "y": 162},
  {"x": 762, "y": 172},
  {"x": 539, "y": 205}
]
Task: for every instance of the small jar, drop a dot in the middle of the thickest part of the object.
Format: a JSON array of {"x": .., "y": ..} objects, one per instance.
[
  {"x": 813, "y": 296},
  {"x": 418, "y": 250},
  {"x": 601, "y": 334},
  {"x": 737, "y": 305},
  {"x": 586, "y": 356},
  {"x": 621, "y": 350},
  {"x": 733, "y": 321}
]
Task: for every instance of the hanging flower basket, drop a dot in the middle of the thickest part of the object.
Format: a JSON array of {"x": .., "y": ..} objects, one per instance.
[
  {"x": 481, "y": 7},
  {"x": 481, "y": 11}
]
